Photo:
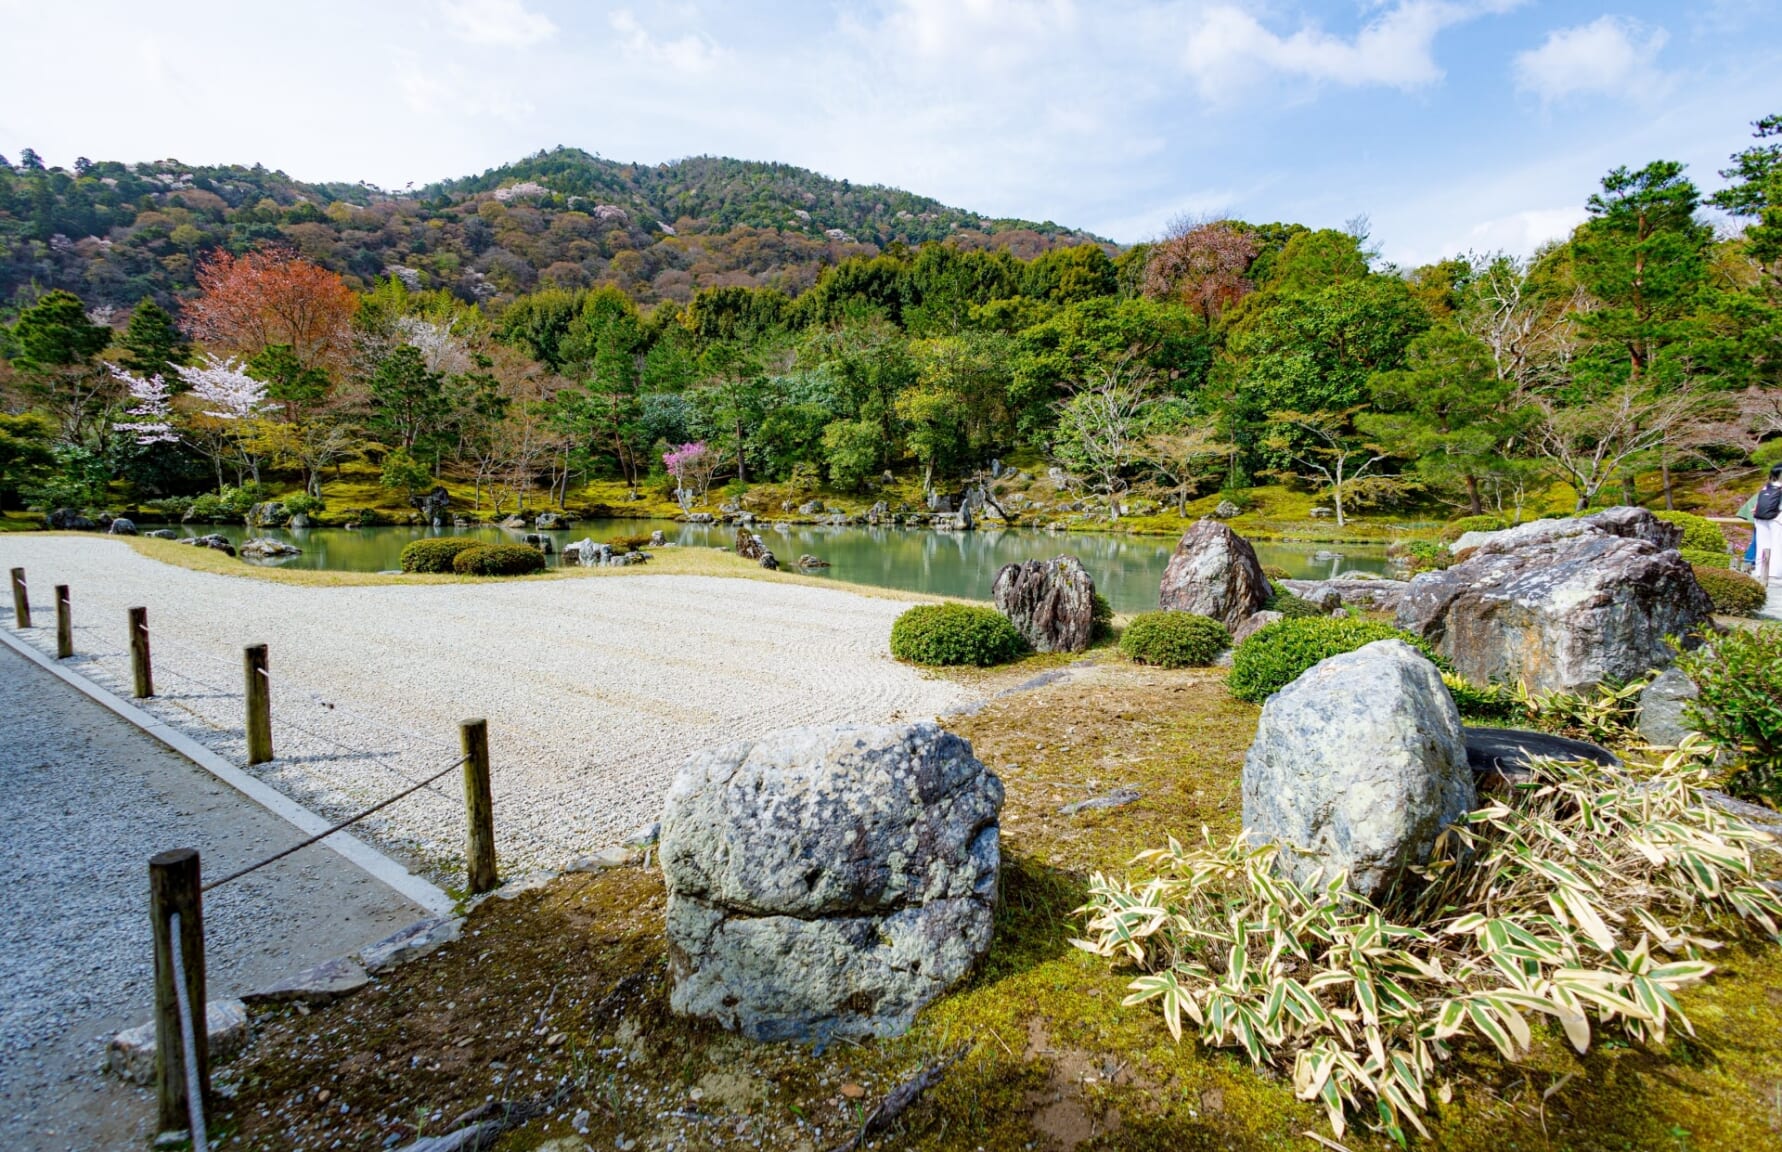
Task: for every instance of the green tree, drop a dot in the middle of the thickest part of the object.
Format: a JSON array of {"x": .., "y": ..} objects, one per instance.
[
  {"x": 1445, "y": 411},
  {"x": 853, "y": 449},
  {"x": 27, "y": 454},
  {"x": 296, "y": 386},
  {"x": 409, "y": 400},
  {"x": 604, "y": 350},
  {"x": 933, "y": 427},
  {"x": 403, "y": 473},
  {"x": 57, "y": 362},
  {"x": 152, "y": 344}
]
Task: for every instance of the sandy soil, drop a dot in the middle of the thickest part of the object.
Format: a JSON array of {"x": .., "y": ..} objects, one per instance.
[{"x": 595, "y": 690}]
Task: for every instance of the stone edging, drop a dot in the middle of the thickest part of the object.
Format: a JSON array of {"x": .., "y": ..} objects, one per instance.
[{"x": 358, "y": 852}]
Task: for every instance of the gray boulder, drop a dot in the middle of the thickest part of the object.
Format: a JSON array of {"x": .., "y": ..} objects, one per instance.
[
  {"x": 808, "y": 561},
  {"x": 122, "y": 527},
  {"x": 1214, "y": 572},
  {"x": 1357, "y": 766},
  {"x": 68, "y": 520},
  {"x": 810, "y": 508},
  {"x": 1561, "y": 604},
  {"x": 1226, "y": 510},
  {"x": 828, "y": 881},
  {"x": 658, "y": 540},
  {"x": 263, "y": 548},
  {"x": 541, "y": 542},
  {"x": 1050, "y": 602},
  {"x": 1661, "y": 708},
  {"x": 1378, "y": 595},
  {"x": 162, "y": 534},
  {"x": 299, "y": 520},
  {"x": 270, "y": 514},
  {"x": 1253, "y": 624},
  {"x": 551, "y": 521}
]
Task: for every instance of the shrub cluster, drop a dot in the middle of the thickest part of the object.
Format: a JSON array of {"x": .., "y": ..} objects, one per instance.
[
  {"x": 1739, "y": 708},
  {"x": 1291, "y": 606},
  {"x": 1274, "y": 657},
  {"x": 498, "y": 560},
  {"x": 1457, "y": 528},
  {"x": 1699, "y": 534},
  {"x": 624, "y": 544},
  {"x": 1426, "y": 555},
  {"x": 1732, "y": 592},
  {"x": 1101, "y": 616},
  {"x": 1707, "y": 559},
  {"x": 435, "y": 555},
  {"x": 1174, "y": 639},
  {"x": 951, "y": 634}
]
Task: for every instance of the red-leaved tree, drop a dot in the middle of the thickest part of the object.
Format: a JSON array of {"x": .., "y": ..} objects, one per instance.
[
  {"x": 273, "y": 297},
  {"x": 1202, "y": 265}
]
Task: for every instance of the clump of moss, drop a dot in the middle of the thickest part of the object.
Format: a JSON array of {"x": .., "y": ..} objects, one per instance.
[
  {"x": 1732, "y": 592},
  {"x": 1699, "y": 533}
]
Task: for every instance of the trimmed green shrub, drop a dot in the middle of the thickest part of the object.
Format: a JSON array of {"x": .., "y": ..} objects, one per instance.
[
  {"x": 1732, "y": 592},
  {"x": 1291, "y": 606},
  {"x": 1174, "y": 639},
  {"x": 1274, "y": 657},
  {"x": 1739, "y": 708},
  {"x": 1699, "y": 534},
  {"x": 1456, "y": 528},
  {"x": 1101, "y": 616},
  {"x": 435, "y": 555},
  {"x": 498, "y": 560},
  {"x": 1721, "y": 559},
  {"x": 951, "y": 634}
]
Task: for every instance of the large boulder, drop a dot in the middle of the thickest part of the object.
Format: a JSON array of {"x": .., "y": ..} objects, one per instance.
[
  {"x": 1357, "y": 766},
  {"x": 1214, "y": 572},
  {"x": 122, "y": 526},
  {"x": 269, "y": 514},
  {"x": 1051, "y": 602},
  {"x": 68, "y": 520},
  {"x": 266, "y": 548},
  {"x": 828, "y": 881},
  {"x": 1561, "y": 604}
]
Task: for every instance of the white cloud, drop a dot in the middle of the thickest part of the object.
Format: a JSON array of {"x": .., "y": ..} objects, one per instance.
[
  {"x": 503, "y": 23},
  {"x": 1523, "y": 232},
  {"x": 687, "y": 54},
  {"x": 1231, "y": 48},
  {"x": 1610, "y": 54}
]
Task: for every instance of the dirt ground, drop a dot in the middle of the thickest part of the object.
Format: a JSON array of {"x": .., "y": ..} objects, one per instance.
[{"x": 552, "y": 1010}]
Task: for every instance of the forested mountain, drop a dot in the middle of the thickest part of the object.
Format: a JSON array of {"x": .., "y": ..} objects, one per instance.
[{"x": 116, "y": 232}]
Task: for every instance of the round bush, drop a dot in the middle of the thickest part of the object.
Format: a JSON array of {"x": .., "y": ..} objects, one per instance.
[
  {"x": 435, "y": 555},
  {"x": 1174, "y": 639},
  {"x": 1695, "y": 556},
  {"x": 1274, "y": 656},
  {"x": 1699, "y": 535},
  {"x": 1465, "y": 524},
  {"x": 498, "y": 560},
  {"x": 1732, "y": 592},
  {"x": 948, "y": 634}
]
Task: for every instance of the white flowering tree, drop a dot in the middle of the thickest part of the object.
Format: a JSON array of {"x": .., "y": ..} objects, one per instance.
[{"x": 223, "y": 413}]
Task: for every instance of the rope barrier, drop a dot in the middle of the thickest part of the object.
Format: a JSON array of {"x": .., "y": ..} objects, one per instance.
[
  {"x": 347, "y": 823},
  {"x": 188, "y": 1040}
]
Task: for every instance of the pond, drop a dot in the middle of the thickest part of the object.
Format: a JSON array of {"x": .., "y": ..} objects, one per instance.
[{"x": 1126, "y": 569}]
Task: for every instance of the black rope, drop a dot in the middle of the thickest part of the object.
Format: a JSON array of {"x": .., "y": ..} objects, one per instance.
[{"x": 347, "y": 823}]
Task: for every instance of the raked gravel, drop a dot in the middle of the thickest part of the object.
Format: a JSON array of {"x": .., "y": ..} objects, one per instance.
[{"x": 595, "y": 689}]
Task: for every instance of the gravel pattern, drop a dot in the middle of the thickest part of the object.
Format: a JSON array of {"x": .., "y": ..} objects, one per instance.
[
  {"x": 88, "y": 799},
  {"x": 596, "y": 690}
]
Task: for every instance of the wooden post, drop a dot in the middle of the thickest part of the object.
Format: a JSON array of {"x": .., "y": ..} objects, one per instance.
[
  {"x": 259, "y": 704},
  {"x": 174, "y": 887},
  {"x": 479, "y": 807},
  {"x": 64, "y": 623},
  {"x": 139, "y": 654},
  {"x": 21, "y": 605}
]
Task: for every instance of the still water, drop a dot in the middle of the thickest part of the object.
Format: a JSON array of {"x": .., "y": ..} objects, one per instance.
[{"x": 1126, "y": 568}]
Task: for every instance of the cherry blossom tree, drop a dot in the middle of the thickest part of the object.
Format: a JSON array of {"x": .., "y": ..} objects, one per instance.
[
  {"x": 150, "y": 408},
  {"x": 692, "y": 466}
]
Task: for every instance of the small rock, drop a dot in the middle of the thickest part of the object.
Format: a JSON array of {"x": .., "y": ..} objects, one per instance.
[
  {"x": 1118, "y": 798},
  {"x": 1253, "y": 623},
  {"x": 811, "y": 508},
  {"x": 131, "y": 1054},
  {"x": 809, "y": 561},
  {"x": 162, "y": 534},
  {"x": 644, "y": 837},
  {"x": 657, "y": 540},
  {"x": 122, "y": 527},
  {"x": 556, "y": 1039},
  {"x": 852, "y": 1091},
  {"x": 1226, "y": 510},
  {"x": 68, "y": 520},
  {"x": 1661, "y": 708},
  {"x": 604, "y": 859},
  {"x": 413, "y": 942},
  {"x": 327, "y": 981}
]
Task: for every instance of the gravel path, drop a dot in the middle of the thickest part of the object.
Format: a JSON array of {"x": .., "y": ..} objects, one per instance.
[
  {"x": 596, "y": 690},
  {"x": 87, "y": 800}
]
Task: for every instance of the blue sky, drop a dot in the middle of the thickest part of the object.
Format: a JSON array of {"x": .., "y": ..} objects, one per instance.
[{"x": 1453, "y": 124}]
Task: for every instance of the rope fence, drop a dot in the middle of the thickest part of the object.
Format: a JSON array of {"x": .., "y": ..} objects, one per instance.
[{"x": 182, "y": 1070}]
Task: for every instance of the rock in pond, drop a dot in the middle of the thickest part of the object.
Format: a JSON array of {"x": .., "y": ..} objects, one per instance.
[
  {"x": 1214, "y": 572},
  {"x": 1561, "y": 604},
  {"x": 264, "y": 548},
  {"x": 122, "y": 526},
  {"x": 828, "y": 881},
  {"x": 551, "y": 521},
  {"x": 162, "y": 534},
  {"x": 808, "y": 561},
  {"x": 1050, "y": 602},
  {"x": 68, "y": 520},
  {"x": 434, "y": 506},
  {"x": 1357, "y": 766}
]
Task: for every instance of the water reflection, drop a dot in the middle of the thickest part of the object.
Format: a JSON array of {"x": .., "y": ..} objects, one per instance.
[{"x": 1127, "y": 569}]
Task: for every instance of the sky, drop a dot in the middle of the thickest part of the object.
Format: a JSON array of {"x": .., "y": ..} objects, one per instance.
[{"x": 1453, "y": 125}]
